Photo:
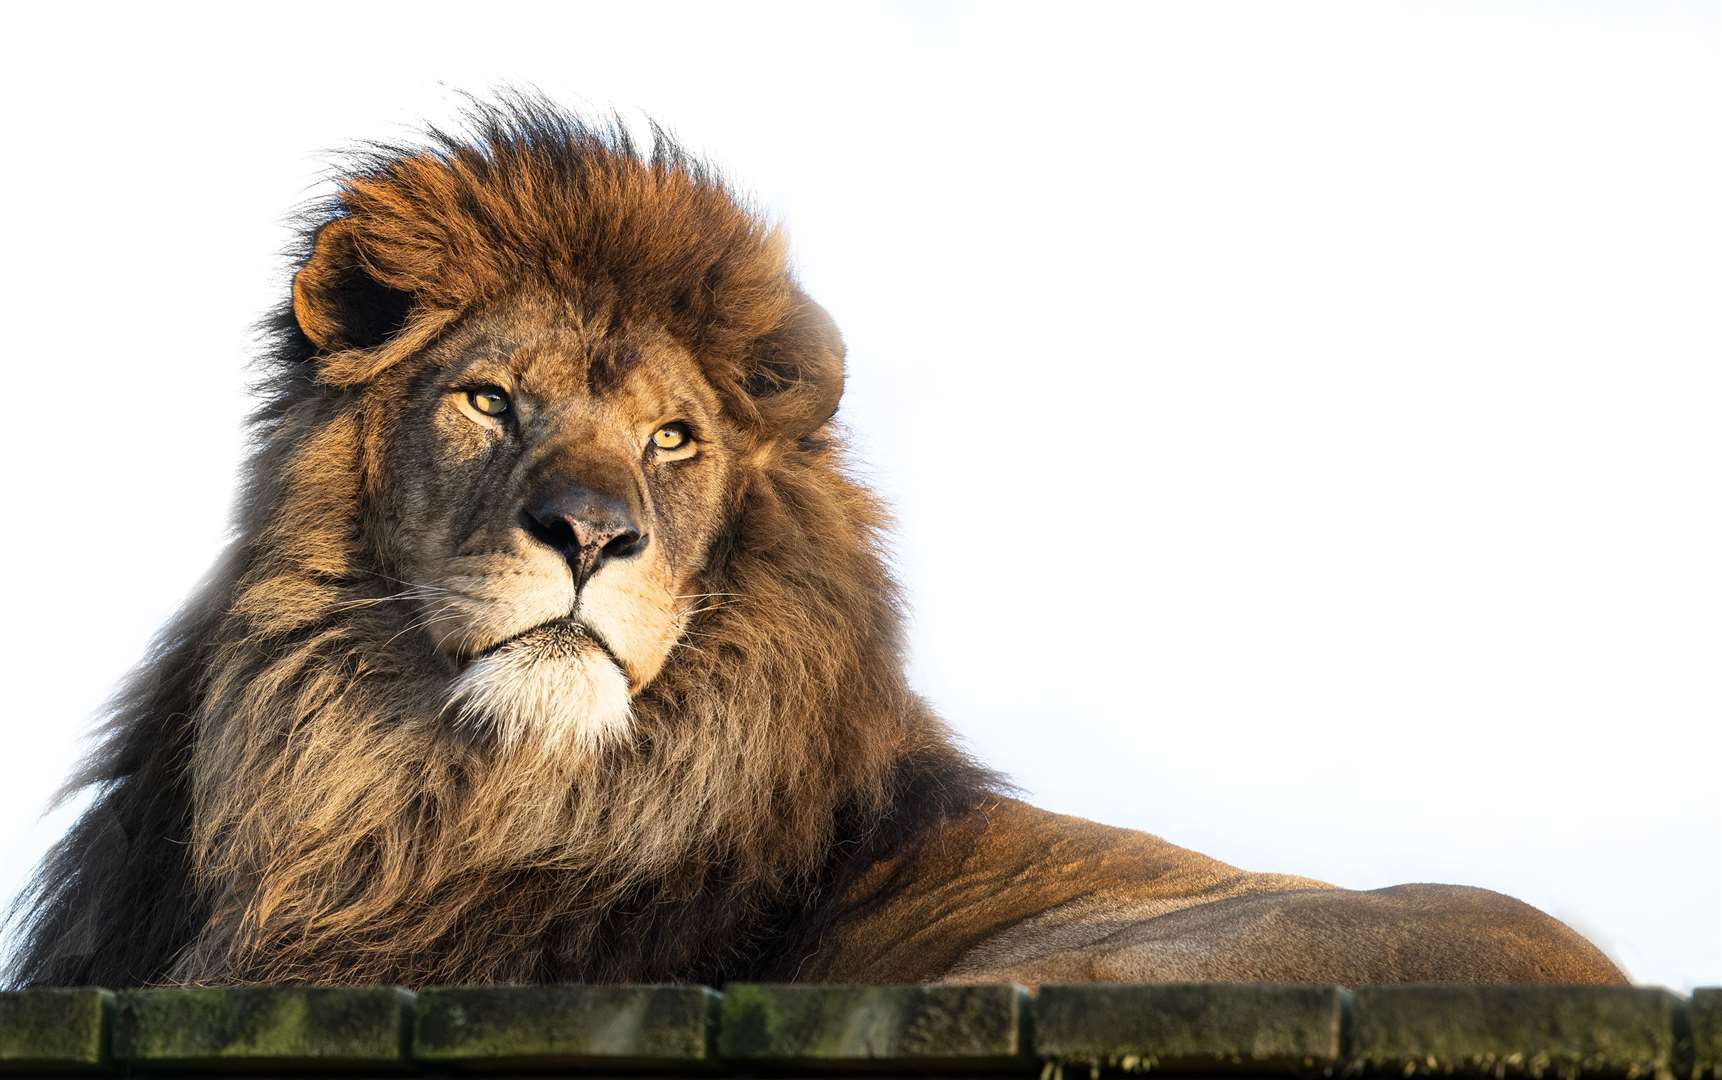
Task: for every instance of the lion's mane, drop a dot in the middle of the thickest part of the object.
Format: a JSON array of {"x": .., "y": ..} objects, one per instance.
[{"x": 275, "y": 796}]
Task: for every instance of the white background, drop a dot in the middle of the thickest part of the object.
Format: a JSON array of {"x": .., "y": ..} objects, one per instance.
[{"x": 1304, "y": 419}]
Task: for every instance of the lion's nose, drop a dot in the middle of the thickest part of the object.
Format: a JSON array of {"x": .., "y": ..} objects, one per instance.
[{"x": 587, "y": 527}]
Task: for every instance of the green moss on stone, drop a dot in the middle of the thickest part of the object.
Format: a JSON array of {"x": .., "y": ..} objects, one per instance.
[
  {"x": 1562, "y": 1033},
  {"x": 1194, "y": 1027},
  {"x": 495, "y": 1026},
  {"x": 42, "y": 1030},
  {"x": 872, "y": 1025},
  {"x": 262, "y": 1026},
  {"x": 1498, "y": 1031},
  {"x": 1706, "y": 1033}
]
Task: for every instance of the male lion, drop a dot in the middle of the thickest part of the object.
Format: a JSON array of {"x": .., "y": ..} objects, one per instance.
[{"x": 556, "y": 644}]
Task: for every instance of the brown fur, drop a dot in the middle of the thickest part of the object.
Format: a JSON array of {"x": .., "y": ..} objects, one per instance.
[
  {"x": 296, "y": 788},
  {"x": 1012, "y": 893}
]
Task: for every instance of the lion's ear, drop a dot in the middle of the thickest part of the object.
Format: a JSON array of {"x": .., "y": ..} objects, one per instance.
[
  {"x": 338, "y": 300},
  {"x": 795, "y": 373}
]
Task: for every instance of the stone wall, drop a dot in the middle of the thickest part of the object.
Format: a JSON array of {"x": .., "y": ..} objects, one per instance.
[{"x": 749, "y": 1030}]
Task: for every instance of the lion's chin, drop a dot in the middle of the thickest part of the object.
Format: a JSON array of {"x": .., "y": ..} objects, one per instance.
[{"x": 555, "y": 688}]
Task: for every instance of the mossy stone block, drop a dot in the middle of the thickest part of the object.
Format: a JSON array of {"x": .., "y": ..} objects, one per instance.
[
  {"x": 509, "y": 1026},
  {"x": 1560, "y": 1031},
  {"x": 53, "y": 1030},
  {"x": 263, "y": 1027},
  {"x": 862, "y": 1026},
  {"x": 1706, "y": 1014},
  {"x": 1199, "y": 1027}
]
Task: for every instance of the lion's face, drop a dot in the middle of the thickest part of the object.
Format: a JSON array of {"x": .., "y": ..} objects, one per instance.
[
  {"x": 554, "y": 480},
  {"x": 563, "y": 364}
]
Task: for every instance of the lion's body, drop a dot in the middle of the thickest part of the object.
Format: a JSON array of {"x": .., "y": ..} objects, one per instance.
[
  {"x": 1012, "y": 893},
  {"x": 557, "y": 644}
]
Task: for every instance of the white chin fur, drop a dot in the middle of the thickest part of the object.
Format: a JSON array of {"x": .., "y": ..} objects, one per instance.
[{"x": 579, "y": 700}]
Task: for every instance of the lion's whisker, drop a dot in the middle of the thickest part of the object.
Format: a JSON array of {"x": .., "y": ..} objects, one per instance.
[{"x": 440, "y": 614}]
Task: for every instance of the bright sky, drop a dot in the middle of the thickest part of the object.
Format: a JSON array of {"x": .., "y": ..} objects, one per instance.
[{"x": 1302, "y": 418}]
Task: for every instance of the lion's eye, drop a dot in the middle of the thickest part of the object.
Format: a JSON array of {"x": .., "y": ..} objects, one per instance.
[
  {"x": 672, "y": 437},
  {"x": 489, "y": 400}
]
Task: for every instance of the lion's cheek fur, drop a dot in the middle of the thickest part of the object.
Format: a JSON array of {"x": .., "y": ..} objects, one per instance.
[{"x": 639, "y": 617}]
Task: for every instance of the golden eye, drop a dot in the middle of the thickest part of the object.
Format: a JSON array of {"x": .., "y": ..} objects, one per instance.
[
  {"x": 488, "y": 400},
  {"x": 672, "y": 436}
]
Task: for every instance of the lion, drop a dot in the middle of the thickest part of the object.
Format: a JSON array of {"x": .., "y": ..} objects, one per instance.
[{"x": 557, "y": 643}]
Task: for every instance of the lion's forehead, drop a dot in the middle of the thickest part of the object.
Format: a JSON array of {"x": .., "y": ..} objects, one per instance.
[{"x": 627, "y": 371}]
